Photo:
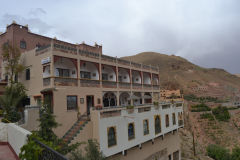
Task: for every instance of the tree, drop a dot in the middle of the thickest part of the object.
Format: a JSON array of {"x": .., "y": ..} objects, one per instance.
[
  {"x": 92, "y": 152},
  {"x": 11, "y": 101},
  {"x": 11, "y": 56}
]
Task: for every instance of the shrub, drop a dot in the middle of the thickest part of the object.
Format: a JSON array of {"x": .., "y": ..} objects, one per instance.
[
  {"x": 130, "y": 107},
  {"x": 155, "y": 103},
  {"x": 235, "y": 153},
  {"x": 221, "y": 113},
  {"x": 208, "y": 116},
  {"x": 218, "y": 153},
  {"x": 200, "y": 108}
]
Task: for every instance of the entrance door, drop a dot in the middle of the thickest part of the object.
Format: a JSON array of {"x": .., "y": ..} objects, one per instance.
[{"x": 90, "y": 103}]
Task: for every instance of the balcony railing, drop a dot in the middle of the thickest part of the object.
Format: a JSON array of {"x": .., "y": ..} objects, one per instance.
[
  {"x": 62, "y": 81},
  {"x": 89, "y": 83},
  {"x": 66, "y": 48},
  {"x": 147, "y": 86},
  {"x": 88, "y": 54},
  {"x": 109, "y": 84},
  {"x": 124, "y": 85},
  {"x": 43, "y": 48},
  {"x": 137, "y": 65},
  {"x": 156, "y": 87},
  {"x": 46, "y": 81},
  {"x": 124, "y": 62},
  {"x": 136, "y": 86},
  {"x": 108, "y": 58}
]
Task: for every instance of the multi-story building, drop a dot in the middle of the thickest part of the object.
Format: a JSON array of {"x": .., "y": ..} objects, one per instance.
[{"x": 95, "y": 96}]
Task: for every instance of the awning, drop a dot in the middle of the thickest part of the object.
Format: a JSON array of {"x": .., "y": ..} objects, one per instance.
[{"x": 48, "y": 90}]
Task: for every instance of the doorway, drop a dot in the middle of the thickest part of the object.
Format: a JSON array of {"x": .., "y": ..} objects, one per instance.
[{"x": 90, "y": 103}]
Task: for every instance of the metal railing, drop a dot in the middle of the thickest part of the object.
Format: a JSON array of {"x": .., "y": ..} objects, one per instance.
[
  {"x": 89, "y": 83},
  {"x": 124, "y": 85},
  {"x": 136, "y": 86},
  {"x": 48, "y": 153},
  {"x": 147, "y": 86},
  {"x": 109, "y": 84}
]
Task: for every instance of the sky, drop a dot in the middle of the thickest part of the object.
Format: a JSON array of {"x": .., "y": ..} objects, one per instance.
[{"x": 206, "y": 32}]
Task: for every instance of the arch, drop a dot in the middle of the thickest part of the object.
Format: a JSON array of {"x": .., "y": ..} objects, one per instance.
[
  {"x": 131, "y": 131},
  {"x": 137, "y": 98},
  {"x": 112, "y": 140},
  {"x": 89, "y": 70},
  {"x": 167, "y": 120},
  {"x": 157, "y": 123},
  {"x": 123, "y": 75},
  {"x": 136, "y": 77},
  {"x": 146, "y": 78},
  {"x": 108, "y": 73},
  {"x": 147, "y": 97},
  {"x": 124, "y": 99},
  {"x": 64, "y": 67},
  {"x": 109, "y": 99}
]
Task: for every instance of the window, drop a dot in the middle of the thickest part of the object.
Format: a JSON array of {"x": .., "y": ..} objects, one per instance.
[
  {"x": 176, "y": 155},
  {"x": 131, "y": 134},
  {"x": 174, "y": 118},
  {"x": 104, "y": 76},
  {"x": 157, "y": 121},
  {"x": 167, "y": 120},
  {"x": 71, "y": 102},
  {"x": 169, "y": 157},
  {"x": 145, "y": 127},
  {"x": 63, "y": 72},
  {"x": 23, "y": 44},
  {"x": 28, "y": 74},
  {"x": 86, "y": 75},
  {"x": 112, "y": 140}
]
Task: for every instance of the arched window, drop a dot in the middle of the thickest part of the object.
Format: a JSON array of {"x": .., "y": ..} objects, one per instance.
[
  {"x": 174, "y": 118},
  {"x": 167, "y": 120},
  {"x": 157, "y": 121},
  {"x": 145, "y": 127},
  {"x": 131, "y": 134},
  {"x": 112, "y": 136}
]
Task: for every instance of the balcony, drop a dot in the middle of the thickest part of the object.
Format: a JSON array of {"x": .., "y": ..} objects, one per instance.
[
  {"x": 124, "y": 85},
  {"x": 109, "y": 84},
  {"x": 108, "y": 58},
  {"x": 89, "y": 83},
  {"x": 123, "y": 62},
  {"x": 46, "y": 81},
  {"x": 88, "y": 54},
  {"x": 65, "y": 81},
  {"x": 136, "y": 86}
]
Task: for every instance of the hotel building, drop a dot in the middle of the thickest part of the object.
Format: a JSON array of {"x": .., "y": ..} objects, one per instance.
[{"x": 95, "y": 96}]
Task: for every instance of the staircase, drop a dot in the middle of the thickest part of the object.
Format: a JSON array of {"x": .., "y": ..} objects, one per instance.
[{"x": 75, "y": 129}]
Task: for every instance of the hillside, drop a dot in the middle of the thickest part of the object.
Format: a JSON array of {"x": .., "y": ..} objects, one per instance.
[{"x": 177, "y": 72}]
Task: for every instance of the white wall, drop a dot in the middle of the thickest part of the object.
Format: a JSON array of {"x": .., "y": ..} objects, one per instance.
[
  {"x": 146, "y": 78},
  {"x": 121, "y": 124},
  {"x": 109, "y": 70},
  {"x": 65, "y": 63},
  {"x": 17, "y": 137},
  {"x": 136, "y": 77},
  {"x": 3, "y": 132},
  {"x": 124, "y": 73},
  {"x": 90, "y": 67}
]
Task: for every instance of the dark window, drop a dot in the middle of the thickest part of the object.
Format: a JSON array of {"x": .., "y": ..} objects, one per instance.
[
  {"x": 167, "y": 120},
  {"x": 176, "y": 155},
  {"x": 131, "y": 134},
  {"x": 112, "y": 136},
  {"x": 63, "y": 72},
  {"x": 6, "y": 78},
  {"x": 16, "y": 78},
  {"x": 28, "y": 74},
  {"x": 145, "y": 127},
  {"x": 157, "y": 125},
  {"x": 174, "y": 118},
  {"x": 86, "y": 75},
  {"x": 71, "y": 102},
  {"x": 169, "y": 157},
  {"x": 104, "y": 76},
  {"x": 23, "y": 44}
]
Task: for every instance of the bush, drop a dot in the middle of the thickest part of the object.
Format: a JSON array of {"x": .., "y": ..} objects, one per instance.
[
  {"x": 221, "y": 113},
  {"x": 1, "y": 112},
  {"x": 200, "y": 108},
  {"x": 218, "y": 153},
  {"x": 208, "y": 116},
  {"x": 236, "y": 153},
  {"x": 130, "y": 107}
]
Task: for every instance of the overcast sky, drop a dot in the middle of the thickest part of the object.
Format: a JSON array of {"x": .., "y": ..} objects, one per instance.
[{"x": 206, "y": 32}]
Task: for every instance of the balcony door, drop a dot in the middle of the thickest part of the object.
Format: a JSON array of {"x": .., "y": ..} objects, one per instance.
[{"x": 90, "y": 103}]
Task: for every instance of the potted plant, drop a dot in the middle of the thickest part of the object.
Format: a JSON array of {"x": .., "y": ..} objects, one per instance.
[
  {"x": 130, "y": 109},
  {"x": 156, "y": 105}
]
